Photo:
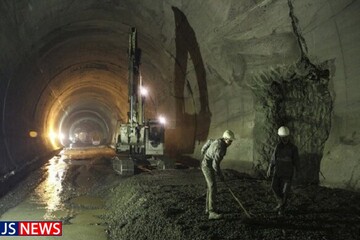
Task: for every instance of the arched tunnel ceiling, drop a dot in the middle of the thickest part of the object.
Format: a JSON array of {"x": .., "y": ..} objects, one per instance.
[
  {"x": 62, "y": 57},
  {"x": 77, "y": 59},
  {"x": 84, "y": 64},
  {"x": 78, "y": 53}
]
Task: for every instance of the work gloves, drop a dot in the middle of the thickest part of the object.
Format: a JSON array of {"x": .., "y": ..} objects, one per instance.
[{"x": 268, "y": 174}]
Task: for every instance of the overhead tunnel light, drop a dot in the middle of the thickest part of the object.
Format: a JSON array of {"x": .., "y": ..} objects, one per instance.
[
  {"x": 33, "y": 133},
  {"x": 61, "y": 136},
  {"x": 143, "y": 91},
  {"x": 162, "y": 120},
  {"x": 54, "y": 137}
]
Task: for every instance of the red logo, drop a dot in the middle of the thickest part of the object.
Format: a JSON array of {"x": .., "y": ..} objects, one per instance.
[{"x": 48, "y": 228}]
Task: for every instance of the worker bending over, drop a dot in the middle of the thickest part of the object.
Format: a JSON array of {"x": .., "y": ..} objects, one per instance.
[{"x": 214, "y": 151}]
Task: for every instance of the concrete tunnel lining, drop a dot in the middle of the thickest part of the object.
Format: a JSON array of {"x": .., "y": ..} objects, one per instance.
[
  {"x": 101, "y": 75},
  {"x": 85, "y": 92},
  {"x": 69, "y": 61},
  {"x": 79, "y": 77},
  {"x": 53, "y": 45},
  {"x": 89, "y": 121}
]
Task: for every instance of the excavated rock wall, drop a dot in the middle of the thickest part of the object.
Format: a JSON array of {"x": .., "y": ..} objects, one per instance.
[{"x": 298, "y": 97}]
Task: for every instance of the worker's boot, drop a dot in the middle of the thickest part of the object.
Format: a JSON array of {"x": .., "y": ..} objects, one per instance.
[
  {"x": 281, "y": 210},
  {"x": 214, "y": 215},
  {"x": 279, "y": 205}
]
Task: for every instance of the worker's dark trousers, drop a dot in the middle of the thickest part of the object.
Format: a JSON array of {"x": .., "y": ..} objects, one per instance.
[
  {"x": 209, "y": 174},
  {"x": 281, "y": 187}
]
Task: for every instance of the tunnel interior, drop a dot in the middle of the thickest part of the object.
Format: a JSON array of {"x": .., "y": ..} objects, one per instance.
[
  {"x": 233, "y": 65},
  {"x": 70, "y": 86}
]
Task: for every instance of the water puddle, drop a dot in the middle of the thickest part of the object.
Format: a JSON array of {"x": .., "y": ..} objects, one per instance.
[{"x": 54, "y": 200}]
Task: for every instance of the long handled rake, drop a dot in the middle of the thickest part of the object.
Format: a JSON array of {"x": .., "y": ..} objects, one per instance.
[{"x": 238, "y": 201}]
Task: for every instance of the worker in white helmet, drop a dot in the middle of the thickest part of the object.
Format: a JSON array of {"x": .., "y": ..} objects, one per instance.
[
  {"x": 214, "y": 151},
  {"x": 284, "y": 160}
]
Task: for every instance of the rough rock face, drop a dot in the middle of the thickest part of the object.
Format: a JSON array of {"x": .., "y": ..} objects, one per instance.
[
  {"x": 297, "y": 97},
  {"x": 198, "y": 59}
]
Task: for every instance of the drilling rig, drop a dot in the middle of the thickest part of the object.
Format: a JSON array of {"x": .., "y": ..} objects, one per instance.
[{"x": 138, "y": 140}]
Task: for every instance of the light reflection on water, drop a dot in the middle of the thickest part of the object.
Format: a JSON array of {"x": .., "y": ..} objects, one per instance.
[
  {"x": 53, "y": 199},
  {"x": 49, "y": 191}
]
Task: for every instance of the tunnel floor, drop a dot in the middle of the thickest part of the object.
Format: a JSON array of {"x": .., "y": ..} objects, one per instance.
[
  {"x": 95, "y": 203},
  {"x": 170, "y": 205}
]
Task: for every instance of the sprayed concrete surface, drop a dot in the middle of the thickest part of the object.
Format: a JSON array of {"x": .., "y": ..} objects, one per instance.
[{"x": 95, "y": 203}]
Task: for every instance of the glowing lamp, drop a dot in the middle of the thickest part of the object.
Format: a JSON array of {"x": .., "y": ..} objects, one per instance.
[
  {"x": 162, "y": 120},
  {"x": 33, "y": 134},
  {"x": 143, "y": 91}
]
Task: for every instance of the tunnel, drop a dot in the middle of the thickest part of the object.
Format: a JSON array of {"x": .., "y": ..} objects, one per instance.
[{"x": 248, "y": 66}]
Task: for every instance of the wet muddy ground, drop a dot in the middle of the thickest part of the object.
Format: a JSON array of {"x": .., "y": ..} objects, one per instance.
[
  {"x": 170, "y": 205},
  {"x": 95, "y": 203},
  {"x": 63, "y": 189}
]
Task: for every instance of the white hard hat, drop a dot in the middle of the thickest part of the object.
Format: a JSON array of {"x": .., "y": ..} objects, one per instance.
[
  {"x": 283, "y": 131},
  {"x": 228, "y": 134}
]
